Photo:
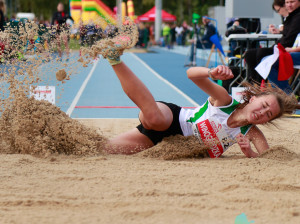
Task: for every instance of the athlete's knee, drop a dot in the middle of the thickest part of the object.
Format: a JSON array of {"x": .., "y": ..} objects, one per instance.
[
  {"x": 156, "y": 122},
  {"x": 152, "y": 121}
]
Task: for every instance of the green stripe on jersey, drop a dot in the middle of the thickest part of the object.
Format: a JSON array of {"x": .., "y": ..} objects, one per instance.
[
  {"x": 244, "y": 129},
  {"x": 199, "y": 113},
  {"x": 230, "y": 109}
]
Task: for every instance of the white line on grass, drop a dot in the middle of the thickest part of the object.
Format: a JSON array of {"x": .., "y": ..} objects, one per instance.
[
  {"x": 79, "y": 93},
  {"x": 167, "y": 82}
]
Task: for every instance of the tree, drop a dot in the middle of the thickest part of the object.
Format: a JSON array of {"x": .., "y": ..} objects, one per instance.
[
  {"x": 41, "y": 8},
  {"x": 183, "y": 9}
]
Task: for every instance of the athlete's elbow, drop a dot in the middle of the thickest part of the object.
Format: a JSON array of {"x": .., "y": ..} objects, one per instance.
[{"x": 189, "y": 73}]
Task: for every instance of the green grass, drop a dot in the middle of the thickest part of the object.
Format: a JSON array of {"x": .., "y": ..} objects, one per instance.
[{"x": 74, "y": 44}]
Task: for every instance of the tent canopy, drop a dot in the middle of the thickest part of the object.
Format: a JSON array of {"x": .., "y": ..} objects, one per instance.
[{"x": 150, "y": 16}]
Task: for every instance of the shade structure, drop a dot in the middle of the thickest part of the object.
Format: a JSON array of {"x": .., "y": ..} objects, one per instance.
[{"x": 150, "y": 16}]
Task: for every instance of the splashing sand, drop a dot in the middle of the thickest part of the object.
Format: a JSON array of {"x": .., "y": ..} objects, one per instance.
[
  {"x": 36, "y": 127},
  {"x": 40, "y": 128},
  {"x": 124, "y": 37},
  {"x": 61, "y": 75}
]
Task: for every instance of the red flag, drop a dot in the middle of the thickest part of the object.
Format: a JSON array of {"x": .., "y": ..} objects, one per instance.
[{"x": 286, "y": 66}]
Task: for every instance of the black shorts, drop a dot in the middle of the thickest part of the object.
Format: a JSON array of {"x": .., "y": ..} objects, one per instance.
[{"x": 174, "y": 129}]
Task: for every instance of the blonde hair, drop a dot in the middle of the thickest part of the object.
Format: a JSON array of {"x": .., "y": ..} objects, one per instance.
[{"x": 288, "y": 103}]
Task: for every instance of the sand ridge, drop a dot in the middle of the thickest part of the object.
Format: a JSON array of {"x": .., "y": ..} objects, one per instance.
[{"x": 134, "y": 189}]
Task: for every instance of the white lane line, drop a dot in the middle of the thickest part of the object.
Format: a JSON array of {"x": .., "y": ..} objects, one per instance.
[
  {"x": 79, "y": 93},
  {"x": 167, "y": 82}
]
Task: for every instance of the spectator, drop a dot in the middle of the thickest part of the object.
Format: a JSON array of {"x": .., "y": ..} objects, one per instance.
[
  {"x": 230, "y": 22},
  {"x": 234, "y": 29},
  {"x": 166, "y": 35},
  {"x": 279, "y": 7},
  {"x": 82, "y": 33},
  {"x": 59, "y": 19},
  {"x": 172, "y": 35},
  {"x": 141, "y": 34},
  {"x": 146, "y": 35},
  {"x": 2, "y": 12},
  {"x": 151, "y": 34},
  {"x": 185, "y": 32},
  {"x": 179, "y": 34},
  {"x": 273, "y": 76},
  {"x": 204, "y": 42},
  {"x": 90, "y": 32},
  {"x": 289, "y": 33},
  {"x": 209, "y": 30}
]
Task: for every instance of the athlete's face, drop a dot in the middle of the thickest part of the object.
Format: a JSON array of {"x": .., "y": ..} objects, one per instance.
[
  {"x": 292, "y": 5},
  {"x": 262, "y": 109}
]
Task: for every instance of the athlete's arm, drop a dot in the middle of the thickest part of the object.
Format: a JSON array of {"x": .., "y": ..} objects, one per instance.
[
  {"x": 200, "y": 76},
  {"x": 245, "y": 146},
  {"x": 258, "y": 139}
]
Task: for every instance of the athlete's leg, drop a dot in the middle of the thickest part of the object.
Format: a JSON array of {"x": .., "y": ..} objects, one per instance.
[
  {"x": 128, "y": 143},
  {"x": 155, "y": 116}
]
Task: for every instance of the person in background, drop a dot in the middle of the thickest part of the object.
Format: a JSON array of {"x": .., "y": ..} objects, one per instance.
[
  {"x": 59, "y": 20},
  {"x": 209, "y": 30},
  {"x": 186, "y": 30},
  {"x": 274, "y": 72},
  {"x": 2, "y": 13},
  {"x": 290, "y": 31},
  {"x": 151, "y": 34},
  {"x": 204, "y": 42},
  {"x": 146, "y": 36},
  {"x": 166, "y": 34},
  {"x": 279, "y": 7},
  {"x": 235, "y": 28},
  {"x": 141, "y": 28},
  {"x": 82, "y": 33},
  {"x": 172, "y": 35},
  {"x": 91, "y": 32},
  {"x": 179, "y": 34}
]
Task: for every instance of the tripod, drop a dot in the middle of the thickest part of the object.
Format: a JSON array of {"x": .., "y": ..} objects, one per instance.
[{"x": 196, "y": 39}]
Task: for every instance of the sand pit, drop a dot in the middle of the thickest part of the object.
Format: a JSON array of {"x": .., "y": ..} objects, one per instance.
[
  {"x": 53, "y": 170},
  {"x": 139, "y": 189}
]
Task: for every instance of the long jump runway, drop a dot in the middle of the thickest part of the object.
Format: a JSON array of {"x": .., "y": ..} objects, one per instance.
[{"x": 97, "y": 93}]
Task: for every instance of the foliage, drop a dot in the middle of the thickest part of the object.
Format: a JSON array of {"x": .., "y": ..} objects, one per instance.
[
  {"x": 183, "y": 9},
  {"x": 41, "y": 8}
]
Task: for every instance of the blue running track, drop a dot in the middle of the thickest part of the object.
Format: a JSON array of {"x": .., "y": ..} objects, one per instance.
[{"x": 95, "y": 91}]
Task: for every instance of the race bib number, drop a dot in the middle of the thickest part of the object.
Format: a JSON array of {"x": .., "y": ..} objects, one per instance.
[{"x": 214, "y": 136}]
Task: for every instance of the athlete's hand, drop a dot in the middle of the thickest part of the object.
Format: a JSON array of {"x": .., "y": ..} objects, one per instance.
[
  {"x": 221, "y": 72},
  {"x": 245, "y": 146}
]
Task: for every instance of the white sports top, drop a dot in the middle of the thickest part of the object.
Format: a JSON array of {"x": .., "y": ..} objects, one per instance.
[{"x": 209, "y": 124}]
